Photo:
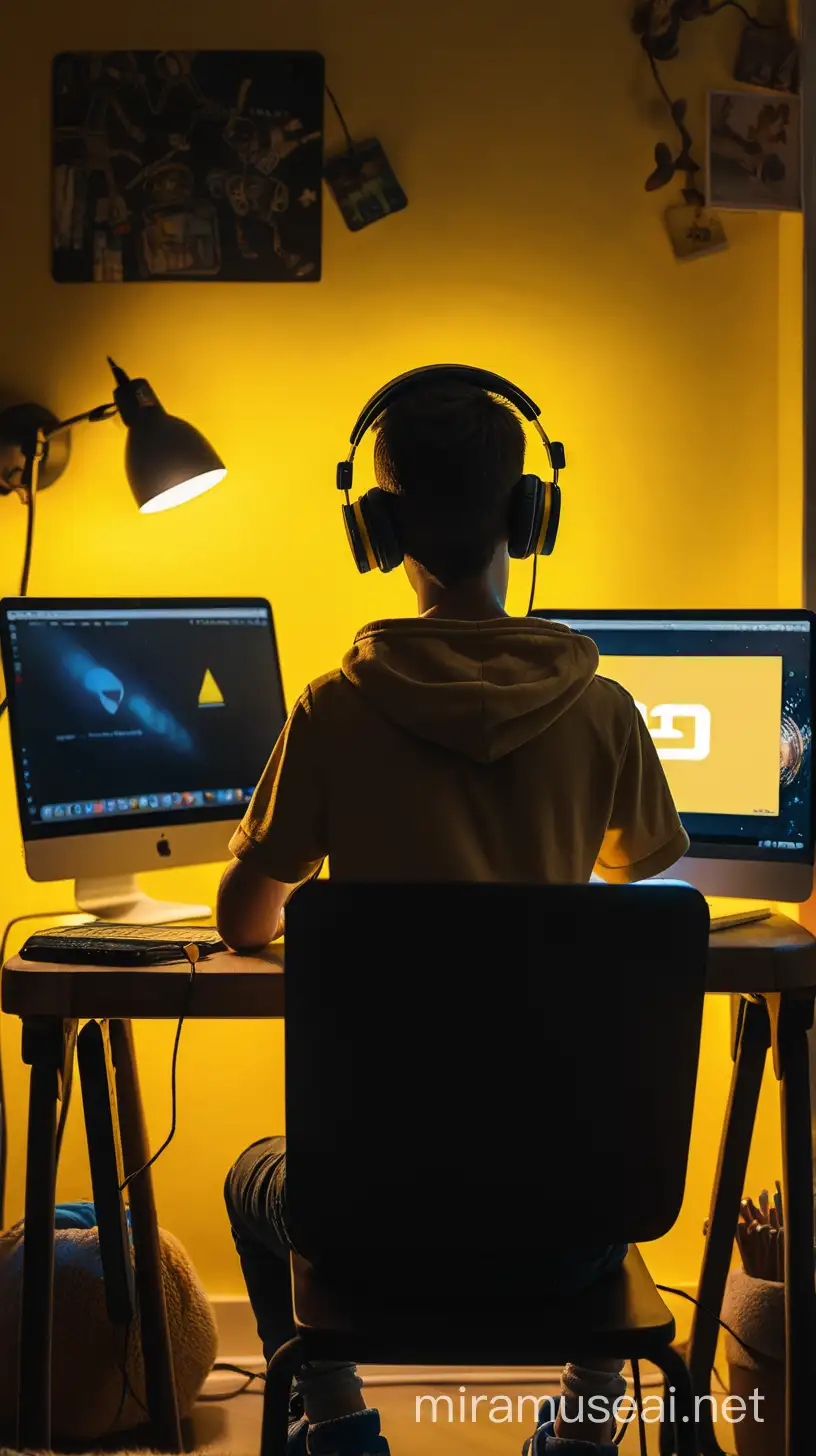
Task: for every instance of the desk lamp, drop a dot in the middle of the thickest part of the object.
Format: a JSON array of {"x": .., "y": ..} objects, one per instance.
[{"x": 167, "y": 461}]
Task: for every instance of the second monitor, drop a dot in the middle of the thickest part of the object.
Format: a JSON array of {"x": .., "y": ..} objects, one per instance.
[
  {"x": 728, "y": 700},
  {"x": 139, "y": 731}
]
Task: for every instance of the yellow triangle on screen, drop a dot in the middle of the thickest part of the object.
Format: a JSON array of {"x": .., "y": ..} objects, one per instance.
[{"x": 210, "y": 695}]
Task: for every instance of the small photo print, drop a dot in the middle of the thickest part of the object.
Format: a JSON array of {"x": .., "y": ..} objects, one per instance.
[
  {"x": 363, "y": 184},
  {"x": 753, "y": 152},
  {"x": 768, "y": 58},
  {"x": 694, "y": 232}
]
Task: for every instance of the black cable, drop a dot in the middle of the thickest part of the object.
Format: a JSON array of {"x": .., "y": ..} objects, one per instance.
[
  {"x": 639, "y": 1404},
  {"x": 30, "y": 915},
  {"x": 341, "y": 119},
  {"x": 31, "y": 503},
  {"x": 134, "y": 1397},
  {"x": 125, "y": 1382},
  {"x": 30, "y": 500},
  {"x": 532, "y": 587},
  {"x": 720, "y": 1381},
  {"x": 249, "y": 1377},
  {"x": 735, "y": 5},
  {"x": 682, "y": 1294},
  {"x": 679, "y": 123},
  {"x": 127, "y": 1388},
  {"x": 191, "y": 952},
  {"x": 659, "y": 81}
]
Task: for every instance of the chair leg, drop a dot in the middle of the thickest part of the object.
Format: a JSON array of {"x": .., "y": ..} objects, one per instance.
[
  {"x": 729, "y": 1187},
  {"x": 678, "y": 1377},
  {"x": 666, "y": 1434},
  {"x": 284, "y": 1364},
  {"x": 160, "y": 1385}
]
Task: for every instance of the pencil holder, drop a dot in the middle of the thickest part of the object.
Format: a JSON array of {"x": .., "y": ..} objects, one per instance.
[{"x": 755, "y": 1310}]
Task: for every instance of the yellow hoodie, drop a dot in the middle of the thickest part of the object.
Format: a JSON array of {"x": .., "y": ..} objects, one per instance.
[{"x": 464, "y": 751}]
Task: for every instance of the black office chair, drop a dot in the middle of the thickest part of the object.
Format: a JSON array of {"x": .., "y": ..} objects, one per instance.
[{"x": 476, "y": 1075}]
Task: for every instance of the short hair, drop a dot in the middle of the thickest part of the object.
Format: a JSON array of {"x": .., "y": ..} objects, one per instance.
[{"x": 452, "y": 454}]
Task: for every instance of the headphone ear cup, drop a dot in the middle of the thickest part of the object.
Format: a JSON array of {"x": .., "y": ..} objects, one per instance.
[
  {"x": 380, "y": 518},
  {"x": 550, "y": 531},
  {"x": 357, "y": 537},
  {"x": 377, "y": 530},
  {"x": 526, "y": 510}
]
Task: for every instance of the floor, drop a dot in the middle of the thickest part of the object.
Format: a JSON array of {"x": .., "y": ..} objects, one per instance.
[{"x": 233, "y": 1428}]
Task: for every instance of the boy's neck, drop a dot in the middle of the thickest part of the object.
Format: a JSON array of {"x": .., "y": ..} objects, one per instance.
[{"x": 466, "y": 602}]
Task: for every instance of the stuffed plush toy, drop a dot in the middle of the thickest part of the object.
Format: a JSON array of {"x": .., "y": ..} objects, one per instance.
[{"x": 89, "y": 1352}]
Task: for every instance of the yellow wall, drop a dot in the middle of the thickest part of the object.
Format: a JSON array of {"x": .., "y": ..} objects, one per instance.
[{"x": 522, "y": 134}]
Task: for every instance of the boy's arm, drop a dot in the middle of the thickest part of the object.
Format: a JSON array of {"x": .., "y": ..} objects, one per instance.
[
  {"x": 644, "y": 835},
  {"x": 250, "y": 906},
  {"x": 281, "y": 842}
]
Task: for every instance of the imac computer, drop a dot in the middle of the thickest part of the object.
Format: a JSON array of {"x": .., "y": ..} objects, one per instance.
[
  {"x": 728, "y": 700},
  {"x": 139, "y": 729}
]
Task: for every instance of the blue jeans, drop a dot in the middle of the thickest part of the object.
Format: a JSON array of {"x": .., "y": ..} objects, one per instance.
[{"x": 255, "y": 1193}]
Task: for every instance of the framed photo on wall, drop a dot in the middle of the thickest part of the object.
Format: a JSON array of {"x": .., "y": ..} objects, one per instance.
[
  {"x": 754, "y": 151},
  {"x": 187, "y": 166}
]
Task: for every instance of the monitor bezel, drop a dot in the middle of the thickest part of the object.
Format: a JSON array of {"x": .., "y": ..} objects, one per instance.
[
  {"x": 701, "y": 848},
  {"x": 74, "y": 829}
]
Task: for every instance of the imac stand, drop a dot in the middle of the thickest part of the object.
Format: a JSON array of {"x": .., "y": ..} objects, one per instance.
[{"x": 118, "y": 898}]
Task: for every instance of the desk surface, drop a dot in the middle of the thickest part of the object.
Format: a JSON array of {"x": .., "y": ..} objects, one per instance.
[
  {"x": 770, "y": 955},
  {"x": 226, "y": 985}
]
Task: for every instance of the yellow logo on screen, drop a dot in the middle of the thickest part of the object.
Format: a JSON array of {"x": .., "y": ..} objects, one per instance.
[
  {"x": 715, "y": 722},
  {"x": 665, "y": 732}
]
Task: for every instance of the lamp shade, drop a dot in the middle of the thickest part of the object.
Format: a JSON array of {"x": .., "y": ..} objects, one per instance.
[{"x": 167, "y": 461}]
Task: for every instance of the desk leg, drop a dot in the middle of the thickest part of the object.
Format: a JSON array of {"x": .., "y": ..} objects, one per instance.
[
  {"x": 48, "y": 1048},
  {"x": 729, "y": 1187},
  {"x": 156, "y": 1349},
  {"x": 791, "y": 1020}
]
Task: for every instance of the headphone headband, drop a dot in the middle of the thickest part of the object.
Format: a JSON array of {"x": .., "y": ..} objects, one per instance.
[
  {"x": 534, "y": 507},
  {"x": 441, "y": 374}
]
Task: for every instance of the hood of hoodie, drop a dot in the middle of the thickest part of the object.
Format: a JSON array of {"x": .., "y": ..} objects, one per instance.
[{"x": 479, "y": 688}]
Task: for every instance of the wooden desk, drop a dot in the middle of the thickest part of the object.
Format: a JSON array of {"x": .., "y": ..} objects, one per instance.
[
  {"x": 771, "y": 965},
  {"x": 51, "y": 1000},
  {"x": 226, "y": 985}
]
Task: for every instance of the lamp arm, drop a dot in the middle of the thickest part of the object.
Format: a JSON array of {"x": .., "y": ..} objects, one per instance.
[
  {"x": 33, "y": 447},
  {"x": 101, "y": 412}
]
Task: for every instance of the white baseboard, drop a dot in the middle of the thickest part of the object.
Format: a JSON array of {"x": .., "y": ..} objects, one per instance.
[
  {"x": 237, "y": 1336},
  {"x": 238, "y": 1344}
]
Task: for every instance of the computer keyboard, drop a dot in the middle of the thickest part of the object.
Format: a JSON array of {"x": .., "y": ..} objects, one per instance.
[
  {"x": 102, "y": 930},
  {"x": 120, "y": 945}
]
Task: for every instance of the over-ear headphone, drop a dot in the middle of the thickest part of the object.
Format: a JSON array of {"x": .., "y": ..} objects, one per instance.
[{"x": 535, "y": 505}]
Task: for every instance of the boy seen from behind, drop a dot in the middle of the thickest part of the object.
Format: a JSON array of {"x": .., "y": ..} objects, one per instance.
[{"x": 506, "y": 758}]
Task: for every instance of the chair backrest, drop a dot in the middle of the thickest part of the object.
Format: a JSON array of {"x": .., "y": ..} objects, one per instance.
[{"x": 483, "y": 1069}]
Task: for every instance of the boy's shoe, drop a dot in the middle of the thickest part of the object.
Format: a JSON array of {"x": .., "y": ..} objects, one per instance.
[
  {"x": 546, "y": 1443},
  {"x": 356, "y": 1435},
  {"x": 298, "y": 1432}
]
